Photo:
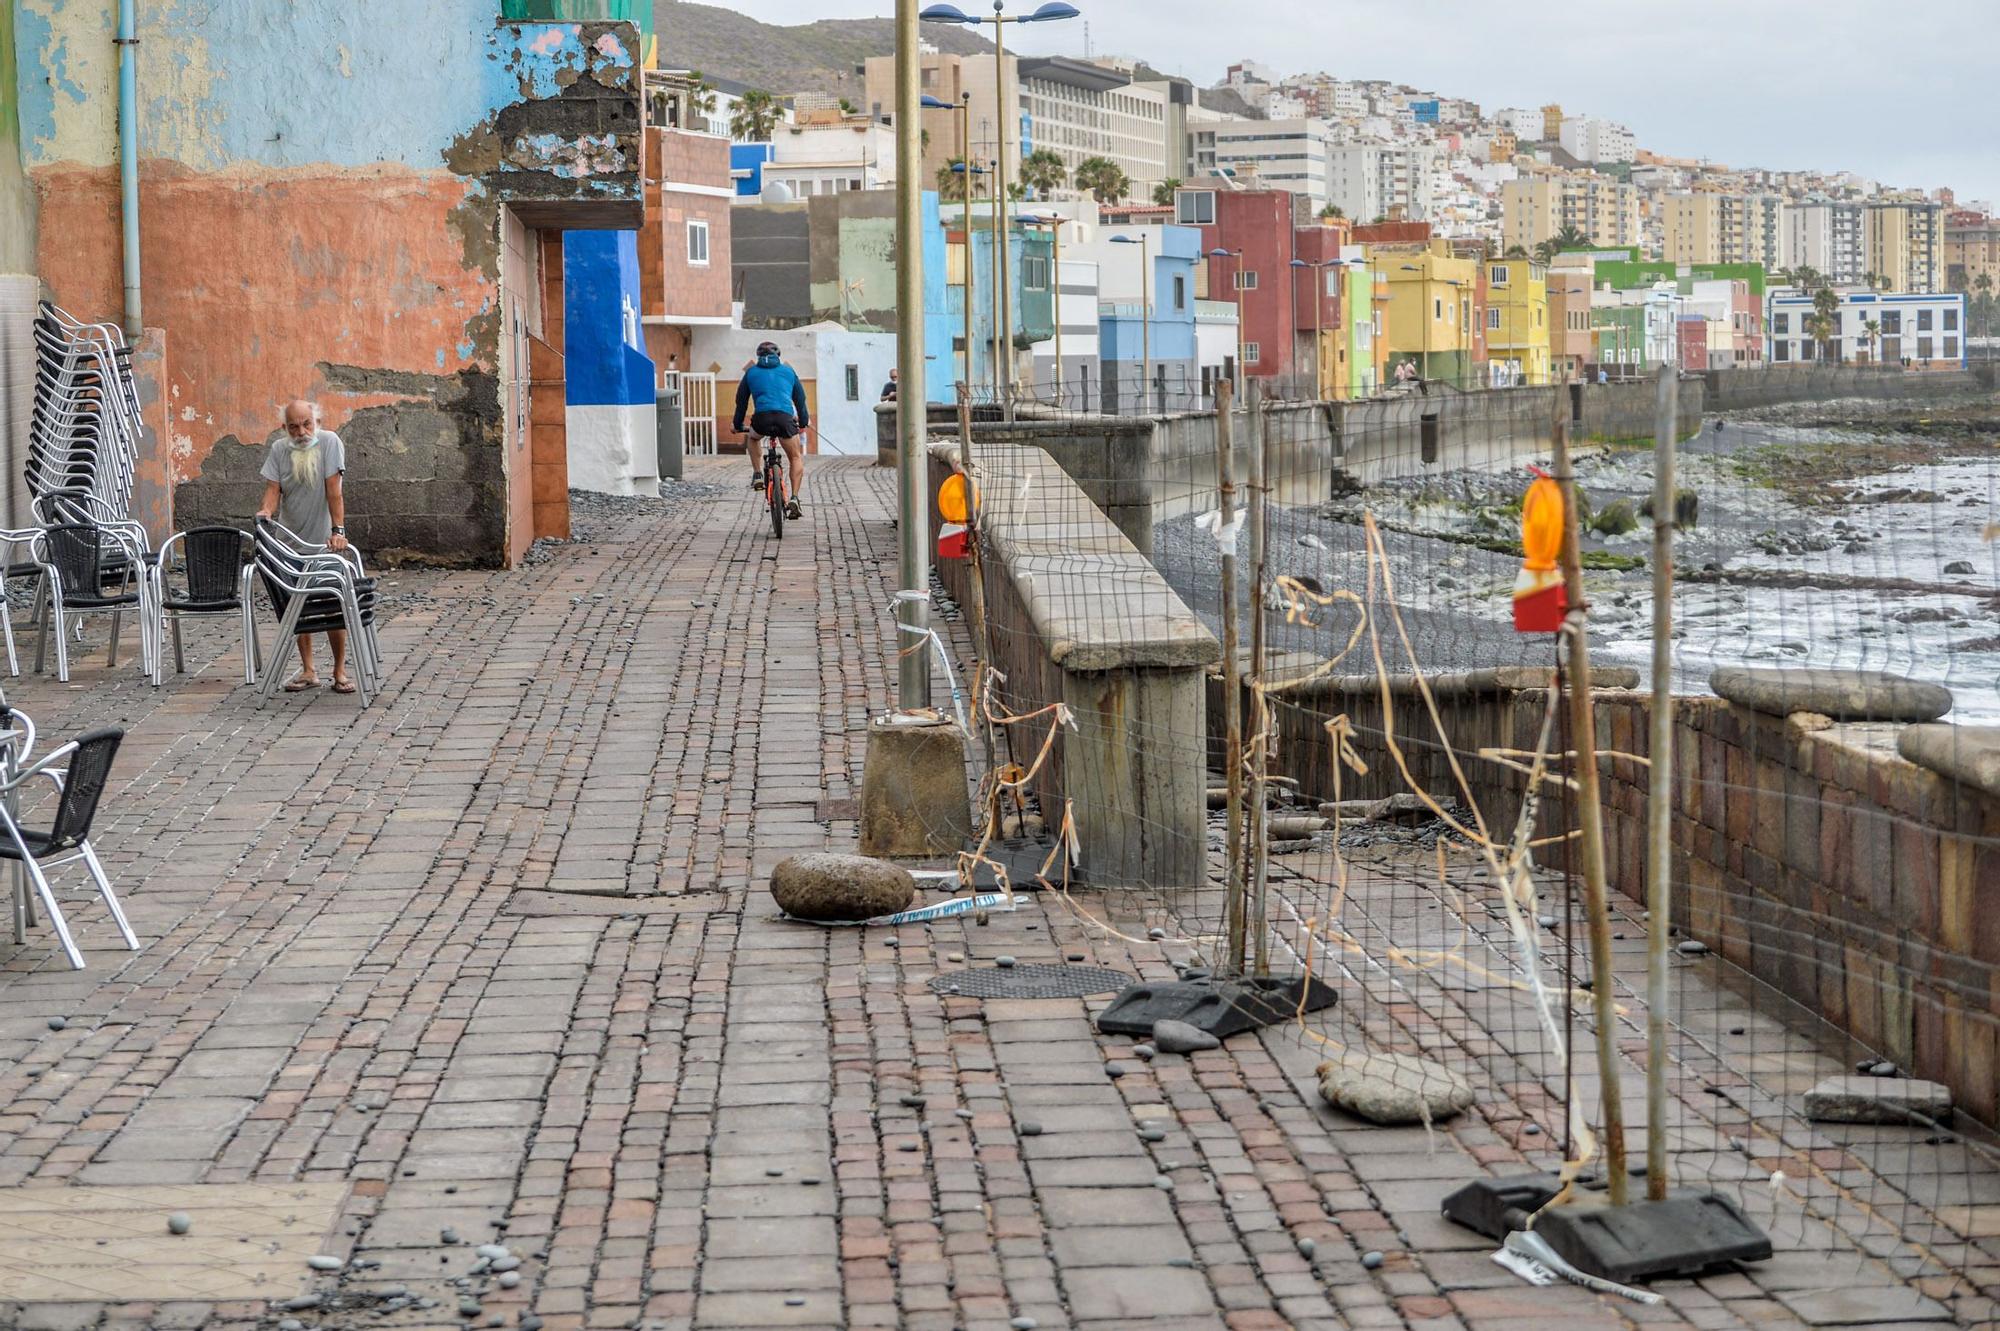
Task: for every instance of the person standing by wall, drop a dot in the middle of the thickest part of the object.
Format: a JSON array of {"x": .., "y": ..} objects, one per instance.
[{"x": 302, "y": 489}]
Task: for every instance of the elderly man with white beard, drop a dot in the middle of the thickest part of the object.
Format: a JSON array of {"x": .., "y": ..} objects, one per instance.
[{"x": 302, "y": 491}]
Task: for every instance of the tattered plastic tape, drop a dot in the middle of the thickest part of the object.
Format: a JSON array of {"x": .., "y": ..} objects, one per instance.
[
  {"x": 937, "y": 646},
  {"x": 1224, "y": 533},
  {"x": 941, "y": 910}
]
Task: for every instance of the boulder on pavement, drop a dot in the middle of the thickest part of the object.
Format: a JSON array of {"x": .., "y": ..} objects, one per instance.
[
  {"x": 1393, "y": 1088},
  {"x": 1844, "y": 695},
  {"x": 1968, "y": 754},
  {"x": 839, "y": 888},
  {"x": 1877, "y": 1100}
]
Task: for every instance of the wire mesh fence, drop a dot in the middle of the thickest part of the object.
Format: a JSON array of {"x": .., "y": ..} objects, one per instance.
[{"x": 1252, "y": 678}]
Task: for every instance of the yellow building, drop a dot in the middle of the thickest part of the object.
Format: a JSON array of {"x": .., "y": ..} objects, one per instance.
[
  {"x": 1503, "y": 147},
  {"x": 1536, "y": 208},
  {"x": 1552, "y": 123},
  {"x": 1724, "y": 228},
  {"x": 1430, "y": 316},
  {"x": 1903, "y": 245},
  {"x": 1517, "y": 321}
]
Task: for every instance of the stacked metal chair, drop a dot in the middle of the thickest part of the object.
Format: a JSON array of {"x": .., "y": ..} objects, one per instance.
[
  {"x": 86, "y": 552},
  {"x": 313, "y": 590}
]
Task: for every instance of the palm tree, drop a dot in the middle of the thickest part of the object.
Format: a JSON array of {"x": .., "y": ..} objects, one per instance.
[
  {"x": 1042, "y": 171},
  {"x": 1103, "y": 178},
  {"x": 1515, "y": 252},
  {"x": 754, "y": 117},
  {"x": 1544, "y": 251},
  {"x": 1870, "y": 281},
  {"x": 1874, "y": 331},
  {"x": 1331, "y": 211},
  {"x": 1825, "y": 321},
  {"x": 1569, "y": 238},
  {"x": 1163, "y": 193},
  {"x": 1806, "y": 278},
  {"x": 953, "y": 184},
  {"x": 1983, "y": 285}
]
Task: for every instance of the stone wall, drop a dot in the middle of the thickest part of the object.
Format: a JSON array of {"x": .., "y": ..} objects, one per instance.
[
  {"x": 1739, "y": 390},
  {"x": 1860, "y": 885},
  {"x": 1078, "y": 616}
]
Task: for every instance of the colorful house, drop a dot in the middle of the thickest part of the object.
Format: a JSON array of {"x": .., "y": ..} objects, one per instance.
[
  {"x": 1517, "y": 322},
  {"x": 1432, "y": 299}
]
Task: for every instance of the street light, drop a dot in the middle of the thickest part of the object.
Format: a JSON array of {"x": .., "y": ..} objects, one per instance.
[
  {"x": 1319, "y": 303},
  {"x": 1145, "y": 316},
  {"x": 961, "y": 166},
  {"x": 1053, "y": 221},
  {"x": 1050, "y": 12},
  {"x": 1236, "y": 280}
]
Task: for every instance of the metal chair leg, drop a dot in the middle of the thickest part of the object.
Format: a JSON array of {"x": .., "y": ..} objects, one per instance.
[
  {"x": 180, "y": 657},
  {"x": 91, "y": 862},
  {"x": 7, "y": 623},
  {"x": 286, "y": 642},
  {"x": 42, "y": 620},
  {"x": 117, "y": 630},
  {"x": 48, "y": 896}
]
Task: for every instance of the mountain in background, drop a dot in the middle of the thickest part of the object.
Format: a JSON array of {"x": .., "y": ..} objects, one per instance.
[{"x": 811, "y": 57}]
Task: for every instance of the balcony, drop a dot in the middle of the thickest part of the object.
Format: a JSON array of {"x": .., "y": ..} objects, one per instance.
[
  {"x": 564, "y": 146},
  {"x": 1214, "y": 312}
]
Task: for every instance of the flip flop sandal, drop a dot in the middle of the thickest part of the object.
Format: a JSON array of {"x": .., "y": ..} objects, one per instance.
[
  {"x": 343, "y": 686},
  {"x": 299, "y": 684}
]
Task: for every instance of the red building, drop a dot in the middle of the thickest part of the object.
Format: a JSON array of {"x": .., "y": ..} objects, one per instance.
[
  {"x": 1256, "y": 227},
  {"x": 1317, "y": 292},
  {"x": 1693, "y": 336}
]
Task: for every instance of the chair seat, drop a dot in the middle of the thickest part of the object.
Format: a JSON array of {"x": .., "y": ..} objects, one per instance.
[
  {"x": 87, "y": 602},
  {"x": 40, "y": 844},
  {"x": 201, "y": 607}
]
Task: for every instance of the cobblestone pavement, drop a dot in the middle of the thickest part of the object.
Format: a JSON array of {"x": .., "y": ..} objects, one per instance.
[{"x": 492, "y": 961}]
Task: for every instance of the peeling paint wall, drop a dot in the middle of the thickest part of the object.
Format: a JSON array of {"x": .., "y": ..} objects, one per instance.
[
  {"x": 321, "y": 195},
  {"x": 17, "y": 198}
]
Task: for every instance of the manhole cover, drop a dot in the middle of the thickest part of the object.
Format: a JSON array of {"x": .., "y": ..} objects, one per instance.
[{"x": 1030, "y": 982}]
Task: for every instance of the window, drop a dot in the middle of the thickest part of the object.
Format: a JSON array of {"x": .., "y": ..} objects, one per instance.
[
  {"x": 1493, "y": 316},
  {"x": 1781, "y": 351},
  {"x": 1333, "y": 281},
  {"x": 1951, "y": 348},
  {"x": 1364, "y": 336},
  {"x": 1180, "y": 291},
  {"x": 698, "y": 244},
  {"x": 1923, "y": 348},
  {"x": 1437, "y": 309},
  {"x": 1246, "y": 281},
  {"x": 1194, "y": 207},
  {"x": 1034, "y": 272},
  {"x": 1892, "y": 321},
  {"x": 1252, "y": 354},
  {"x": 1951, "y": 321},
  {"x": 1923, "y": 321},
  {"x": 854, "y": 383},
  {"x": 1781, "y": 323},
  {"x": 1499, "y": 275}
]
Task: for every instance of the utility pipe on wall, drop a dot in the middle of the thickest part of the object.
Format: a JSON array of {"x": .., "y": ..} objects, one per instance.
[{"x": 128, "y": 158}]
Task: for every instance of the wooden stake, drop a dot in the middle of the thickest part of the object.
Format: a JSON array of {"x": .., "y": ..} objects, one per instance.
[{"x": 1232, "y": 688}]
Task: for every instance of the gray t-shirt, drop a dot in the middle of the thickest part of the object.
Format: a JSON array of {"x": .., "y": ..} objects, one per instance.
[{"x": 301, "y": 476}]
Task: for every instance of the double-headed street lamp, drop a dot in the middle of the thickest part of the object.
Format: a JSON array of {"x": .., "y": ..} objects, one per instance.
[
  {"x": 1049, "y": 12},
  {"x": 1236, "y": 281},
  {"x": 1319, "y": 302},
  {"x": 1145, "y": 316}
]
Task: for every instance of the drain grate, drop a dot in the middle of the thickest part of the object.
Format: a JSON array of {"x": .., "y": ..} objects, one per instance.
[{"x": 1030, "y": 982}]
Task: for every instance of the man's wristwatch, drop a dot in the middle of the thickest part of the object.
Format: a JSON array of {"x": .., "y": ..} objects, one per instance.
[{"x": 339, "y": 530}]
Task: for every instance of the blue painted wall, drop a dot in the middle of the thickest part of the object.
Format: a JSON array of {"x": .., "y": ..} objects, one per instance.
[
  {"x": 600, "y": 284},
  {"x": 749, "y": 157}
]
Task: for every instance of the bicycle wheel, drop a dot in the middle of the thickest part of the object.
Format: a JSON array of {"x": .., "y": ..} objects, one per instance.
[{"x": 774, "y": 494}]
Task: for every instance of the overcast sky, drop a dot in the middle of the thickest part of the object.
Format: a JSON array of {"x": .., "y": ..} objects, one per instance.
[{"x": 1906, "y": 91}]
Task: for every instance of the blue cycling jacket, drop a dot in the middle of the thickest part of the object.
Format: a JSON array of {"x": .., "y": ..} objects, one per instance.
[{"x": 772, "y": 386}]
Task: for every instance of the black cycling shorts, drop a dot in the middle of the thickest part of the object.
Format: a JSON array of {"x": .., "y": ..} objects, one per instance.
[{"x": 774, "y": 425}]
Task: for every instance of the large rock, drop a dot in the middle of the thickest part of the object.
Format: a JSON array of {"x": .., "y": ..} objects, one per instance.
[
  {"x": 1970, "y": 754},
  {"x": 841, "y": 887},
  {"x": 1393, "y": 1088},
  {"x": 1877, "y": 1100},
  {"x": 1180, "y": 1037},
  {"x": 1844, "y": 695}
]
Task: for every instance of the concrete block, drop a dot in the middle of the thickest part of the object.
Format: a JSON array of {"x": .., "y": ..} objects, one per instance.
[
  {"x": 913, "y": 794},
  {"x": 1876, "y": 1100}
]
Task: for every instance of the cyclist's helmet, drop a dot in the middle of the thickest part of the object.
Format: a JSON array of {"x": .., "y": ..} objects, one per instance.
[{"x": 767, "y": 354}]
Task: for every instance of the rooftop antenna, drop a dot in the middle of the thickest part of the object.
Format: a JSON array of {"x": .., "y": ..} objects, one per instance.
[{"x": 1086, "y": 39}]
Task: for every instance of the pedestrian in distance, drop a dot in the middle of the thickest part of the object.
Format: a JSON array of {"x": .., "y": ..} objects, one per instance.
[
  {"x": 889, "y": 389},
  {"x": 303, "y": 490}
]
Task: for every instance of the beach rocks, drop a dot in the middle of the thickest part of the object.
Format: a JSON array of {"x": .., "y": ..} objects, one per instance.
[
  {"x": 1872, "y": 1099},
  {"x": 1967, "y": 754},
  {"x": 830, "y": 887},
  {"x": 1844, "y": 695},
  {"x": 1393, "y": 1088},
  {"x": 1178, "y": 1037}
]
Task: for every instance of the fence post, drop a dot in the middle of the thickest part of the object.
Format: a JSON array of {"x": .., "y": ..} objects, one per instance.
[
  {"x": 1232, "y": 686},
  {"x": 1257, "y": 867},
  {"x": 1659, "y": 783}
]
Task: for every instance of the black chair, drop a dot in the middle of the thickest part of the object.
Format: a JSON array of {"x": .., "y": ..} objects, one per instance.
[
  {"x": 214, "y": 580},
  {"x": 81, "y": 785},
  {"x": 314, "y": 590},
  {"x": 77, "y": 560}
]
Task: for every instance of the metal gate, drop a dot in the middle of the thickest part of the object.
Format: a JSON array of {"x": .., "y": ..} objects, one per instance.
[{"x": 697, "y": 395}]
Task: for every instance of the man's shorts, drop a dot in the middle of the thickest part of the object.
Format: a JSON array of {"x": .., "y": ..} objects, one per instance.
[{"x": 774, "y": 425}]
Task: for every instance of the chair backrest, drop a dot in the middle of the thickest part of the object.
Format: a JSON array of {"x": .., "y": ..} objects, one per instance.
[
  {"x": 76, "y": 549},
  {"x": 89, "y": 773},
  {"x": 214, "y": 561}
]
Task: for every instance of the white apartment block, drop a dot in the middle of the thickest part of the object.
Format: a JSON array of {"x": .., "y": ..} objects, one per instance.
[
  {"x": 1926, "y": 330},
  {"x": 1369, "y": 180},
  {"x": 1589, "y": 139},
  {"x": 832, "y": 157},
  {"x": 1826, "y": 236},
  {"x": 1525, "y": 125},
  {"x": 1281, "y": 154},
  {"x": 1079, "y": 110}
]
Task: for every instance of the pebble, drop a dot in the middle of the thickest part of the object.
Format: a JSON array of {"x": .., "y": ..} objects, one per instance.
[
  {"x": 490, "y": 1250},
  {"x": 1157, "y": 935},
  {"x": 1692, "y": 947},
  {"x": 510, "y": 1279},
  {"x": 299, "y": 1304},
  {"x": 1029, "y": 1128},
  {"x": 954, "y": 956},
  {"x": 470, "y": 1307},
  {"x": 774, "y": 1173},
  {"x": 507, "y": 1263},
  {"x": 531, "y": 1323},
  {"x": 179, "y": 1223},
  {"x": 1736, "y": 1030},
  {"x": 1024, "y": 1324},
  {"x": 1307, "y": 1248},
  {"x": 796, "y": 1301},
  {"x": 912, "y": 1102},
  {"x": 981, "y": 918},
  {"x": 810, "y": 1181},
  {"x": 1144, "y": 1051},
  {"x": 324, "y": 1263},
  {"x": 1073, "y": 956},
  {"x": 448, "y": 1235},
  {"x": 1532, "y": 1130},
  {"x": 1152, "y": 1134},
  {"x": 1882, "y": 1070},
  {"x": 291, "y": 1324},
  {"x": 1005, "y": 963},
  {"x": 1371, "y": 1260},
  {"x": 1546, "y": 921},
  {"x": 1181, "y": 1263},
  {"x": 1163, "y": 1183},
  {"x": 57, "y": 1023},
  {"x": 1114, "y": 1070},
  {"x": 962, "y": 1113}
]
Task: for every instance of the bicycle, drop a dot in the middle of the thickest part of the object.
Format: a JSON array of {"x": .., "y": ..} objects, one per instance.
[{"x": 774, "y": 485}]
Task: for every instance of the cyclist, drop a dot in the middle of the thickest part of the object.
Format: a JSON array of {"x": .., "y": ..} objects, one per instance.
[{"x": 779, "y": 413}]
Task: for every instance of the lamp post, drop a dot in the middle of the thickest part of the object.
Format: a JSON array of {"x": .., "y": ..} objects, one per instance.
[
  {"x": 1316, "y": 267},
  {"x": 1049, "y": 12},
  {"x": 1145, "y": 316},
  {"x": 1053, "y": 221},
  {"x": 1236, "y": 281},
  {"x": 962, "y": 114},
  {"x": 913, "y": 671}
]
